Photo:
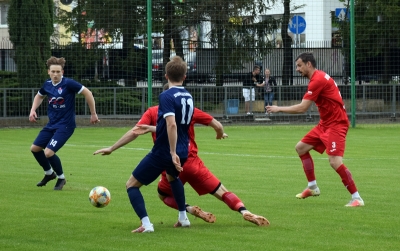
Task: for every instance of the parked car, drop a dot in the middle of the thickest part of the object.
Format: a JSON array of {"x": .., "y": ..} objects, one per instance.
[
  {"x": 157, "y": 63},
  {"x": 190, "y": 59}
]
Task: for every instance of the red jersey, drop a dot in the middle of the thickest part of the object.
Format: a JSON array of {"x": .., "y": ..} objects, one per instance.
[
  {"x": 199, "y": 117},
  {"x": 150, "y": 118},
  {"x": 323, "y": 90}
]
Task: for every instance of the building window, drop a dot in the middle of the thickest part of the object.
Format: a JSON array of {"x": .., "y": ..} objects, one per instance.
[{"x": 3, "y": 14}]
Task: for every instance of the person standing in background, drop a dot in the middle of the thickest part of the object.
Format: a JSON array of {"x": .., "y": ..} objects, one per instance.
[
  {"x": 268, "y": 84},
  {"x": 249, "y": 82}
]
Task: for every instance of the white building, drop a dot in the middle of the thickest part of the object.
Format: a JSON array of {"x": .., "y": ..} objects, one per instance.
[{"x": 317, "y": 16}]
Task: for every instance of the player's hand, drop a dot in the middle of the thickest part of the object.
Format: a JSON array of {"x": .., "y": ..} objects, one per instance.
[
  {"x": 223, "y": 136},
  {"x": 177, "y": 162},
  {"x": 272, "y": 108},
  {"x": 94, "y": 119},
  {"x": 104, "y": 151},
  {"x": 141, "y": 129},
  {"x": 32, "y": 117}
]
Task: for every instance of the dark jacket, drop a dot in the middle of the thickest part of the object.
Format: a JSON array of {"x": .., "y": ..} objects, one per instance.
[
  {"x": 271, "y": 83},
  {"x": 248, "y": 80}
]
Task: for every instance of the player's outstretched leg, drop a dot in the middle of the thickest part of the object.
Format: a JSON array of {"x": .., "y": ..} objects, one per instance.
[
  {"x": 206, "y": 216},
  {"x": 234, "y": 203},
  {"x": 256, "y": 219}
]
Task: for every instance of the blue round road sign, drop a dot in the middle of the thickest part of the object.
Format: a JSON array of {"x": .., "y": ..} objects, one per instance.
[{"x": 297, "y": 25}]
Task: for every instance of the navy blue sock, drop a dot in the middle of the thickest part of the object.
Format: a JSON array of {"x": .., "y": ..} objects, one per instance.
[
  {"x": 42, "y": 160},
  {"x": 137, "y": 201},
  {"x": 55, "y": 163},
  {"x": 179, "y": 193}
]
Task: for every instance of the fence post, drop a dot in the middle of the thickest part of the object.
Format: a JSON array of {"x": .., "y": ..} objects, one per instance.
[
  {"x": 115, "y": 101},
  {"x": 363, "y": 100},
  {"x": 143, "y": 99},
  {"x": 279, "y": 95},
  {"x": 251, "y": 99},
  {"x": 393, "y": 116},
  {"x": 225, "y": 101},
  {"x": 5, "y": 103},
  {"x": 201, "y": 98}
]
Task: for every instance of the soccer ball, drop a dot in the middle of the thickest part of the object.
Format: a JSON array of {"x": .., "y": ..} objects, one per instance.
[{"x": 99, "y": 196}]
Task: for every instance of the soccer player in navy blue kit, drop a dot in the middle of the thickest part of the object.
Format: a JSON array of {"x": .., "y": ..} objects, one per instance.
[
  {"x": 170, "y": 149},
  {"x": 60, "y": 94}
]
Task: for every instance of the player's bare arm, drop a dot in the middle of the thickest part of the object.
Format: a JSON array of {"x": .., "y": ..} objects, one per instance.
[
  {"x": 294, "y": 109},
  {"x": 219, "y": 129},
  {"x": 172, "y": 138},
  {"x": 262, "y": 84},
  {"x": 36, "y": 103},
  {"x": 125, "y": 139},
  {"x": 91, "y": 103},
  {"x": 143, "y": 129}
]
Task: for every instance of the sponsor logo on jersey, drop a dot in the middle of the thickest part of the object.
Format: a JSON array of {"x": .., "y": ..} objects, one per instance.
[{"x": 56, "y": 101}]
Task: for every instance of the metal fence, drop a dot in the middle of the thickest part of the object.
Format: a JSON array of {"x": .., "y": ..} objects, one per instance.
[
  {"x": 119, "y": 106},
  {"x": 107, "y": 47}
]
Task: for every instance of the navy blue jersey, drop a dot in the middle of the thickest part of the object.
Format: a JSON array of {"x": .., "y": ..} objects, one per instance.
[
  {"x": 61, "y": 102},
  {"x": 177, "y": 102}
]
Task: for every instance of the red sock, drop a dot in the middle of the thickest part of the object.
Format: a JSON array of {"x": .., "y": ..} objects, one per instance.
[
  {"x": 170, "y": 201},
  {"x": 232, "y": 201},
  {"x": 347, "y": 179},
  {"x": 308, "y": 166}
]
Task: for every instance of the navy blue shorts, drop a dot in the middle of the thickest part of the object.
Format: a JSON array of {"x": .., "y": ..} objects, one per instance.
[
  {"x": 151, "y": 166},
  {"x": 53, "y": 139}
]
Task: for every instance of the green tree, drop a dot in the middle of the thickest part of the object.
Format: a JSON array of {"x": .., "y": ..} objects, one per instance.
[
  {"x": 376, "y": 33},
  {"x": 237, "y": 34},
  {"x": 30, "y": 27},
  {"x": 235, "y": 42},
  {"x": 119, "y": 21}
]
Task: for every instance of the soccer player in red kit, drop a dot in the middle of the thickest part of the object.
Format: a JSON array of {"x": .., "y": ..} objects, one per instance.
[
  {"x": 195, "y": 172},
  {"x": 330, "y": 133}
]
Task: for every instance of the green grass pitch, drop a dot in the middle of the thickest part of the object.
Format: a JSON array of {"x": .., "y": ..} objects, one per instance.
[{"x": 258, "y": 163}]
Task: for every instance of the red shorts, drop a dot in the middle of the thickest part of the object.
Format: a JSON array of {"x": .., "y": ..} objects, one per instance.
[
  {"x": 331, "y": 139},
  {"x": 196, "y": 174}
]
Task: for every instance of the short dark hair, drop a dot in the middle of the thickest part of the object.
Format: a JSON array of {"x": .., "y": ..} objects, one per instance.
[
  {"x": 256, "y": 67},
  {"x": 55, "y": 61},
  {"x": 307, "y": 57}
]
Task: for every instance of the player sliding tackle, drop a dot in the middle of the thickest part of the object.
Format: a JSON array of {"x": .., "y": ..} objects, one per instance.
[{"x": 195, "y": 172}]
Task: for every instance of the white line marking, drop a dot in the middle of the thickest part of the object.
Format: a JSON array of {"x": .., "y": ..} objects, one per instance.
[{"x": 237, "y": 155}]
